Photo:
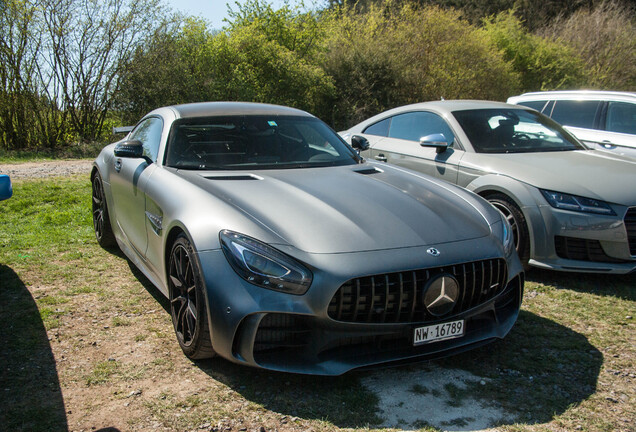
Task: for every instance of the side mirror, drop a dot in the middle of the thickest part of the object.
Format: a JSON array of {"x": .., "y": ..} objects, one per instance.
[
  {"x": 6, "y": 191},
  {"x": 435, "y": 140},
  {"x": 133, "y": 149},
  {"x": 360, "y": 143}
]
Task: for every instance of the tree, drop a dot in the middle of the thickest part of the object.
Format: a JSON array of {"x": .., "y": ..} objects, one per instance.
[
  {"x": 19, "y": 48},
  {"x": 399, "y": 54},
  {"x": 605, "y": 39},
  {"x": 90, "y": 41},
  {"x": 263, "y": 56},
  {"x": 542, "y": 64}
]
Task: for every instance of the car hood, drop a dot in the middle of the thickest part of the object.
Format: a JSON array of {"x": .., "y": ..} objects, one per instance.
[
  {"x": 350, "y": 208},
  {"x": 591, "y": 174}
]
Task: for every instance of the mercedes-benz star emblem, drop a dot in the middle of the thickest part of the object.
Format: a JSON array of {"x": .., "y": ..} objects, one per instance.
[
  {"x": 441, "y": 294},
  {"x": 433, "y": 251}
]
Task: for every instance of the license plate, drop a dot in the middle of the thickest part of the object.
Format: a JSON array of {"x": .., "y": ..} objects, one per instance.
[{"x": 438, "y": 332}]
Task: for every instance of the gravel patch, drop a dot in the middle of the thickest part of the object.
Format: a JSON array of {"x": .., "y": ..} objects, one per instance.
[
  {"x": 437, "y": 397},
  {"x": 32, "y": 170}
]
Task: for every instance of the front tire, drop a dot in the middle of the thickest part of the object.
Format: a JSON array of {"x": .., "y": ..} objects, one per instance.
[
  {"x": 517, "y": 221},
  {"x": 187, "y": 301},
  {"x": 101, "y": 220}
]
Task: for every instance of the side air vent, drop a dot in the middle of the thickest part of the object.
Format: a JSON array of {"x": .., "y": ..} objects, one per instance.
[
  {"x": 369, "y": 171},
  {"x": 234, "y": 177}
]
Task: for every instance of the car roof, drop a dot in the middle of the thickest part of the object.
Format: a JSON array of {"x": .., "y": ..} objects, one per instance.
[
  {"x": 204, "y": 109},
  {"x": 575, "y": 95},
  {"x": 442, "y": 107},
  {"x": 458, "y": 105}
]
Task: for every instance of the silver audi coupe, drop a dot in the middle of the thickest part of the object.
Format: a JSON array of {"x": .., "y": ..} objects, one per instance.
[
  {"x": 570, "y": 208},
  {"x": 279, "y": 247}
]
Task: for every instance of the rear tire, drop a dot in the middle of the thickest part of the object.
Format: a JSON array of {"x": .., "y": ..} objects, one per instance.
[
  {"x": 101, "y": 220},
  {"x": 188, "y": 301},
  {"x": 517, "y": 221}
]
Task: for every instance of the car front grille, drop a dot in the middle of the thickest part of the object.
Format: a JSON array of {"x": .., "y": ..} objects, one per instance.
[
  {"x": 398, "y": 297},
  {"x": 630, "y": 224},
  {"x": 582, "y": 250}
]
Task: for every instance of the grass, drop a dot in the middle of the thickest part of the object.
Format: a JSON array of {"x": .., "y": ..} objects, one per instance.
[{"x": 85, "y": 335}]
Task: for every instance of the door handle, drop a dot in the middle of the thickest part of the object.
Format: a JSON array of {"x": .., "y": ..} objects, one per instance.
[
  {"x": 380, "y": 158},
  {"x": 118, "y": 165}
]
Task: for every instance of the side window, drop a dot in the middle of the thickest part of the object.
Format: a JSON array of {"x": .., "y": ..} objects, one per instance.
[
  {"x": 575, "y": 113},
  {"x": 380, "y": 128},
  {"x": 415, "y": 125},
  {"x": 537, "y": 105},
  {"x": 149, "y": 133},
  {"x": 621, "y": 117}
]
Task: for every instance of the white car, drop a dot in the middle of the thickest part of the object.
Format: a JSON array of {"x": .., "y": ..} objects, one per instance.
[{"x": 602, "y": 120}]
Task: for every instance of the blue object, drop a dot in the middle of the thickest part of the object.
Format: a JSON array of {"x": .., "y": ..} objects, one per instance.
[{"x": 6, "y": 191}]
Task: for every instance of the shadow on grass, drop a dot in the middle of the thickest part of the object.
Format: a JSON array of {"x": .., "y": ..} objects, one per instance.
[
  {"x": 621, "y": 286},
  {"x": 30, "y": 394},
  {"x": 150, "y": 287},
  {"x": 536, "y": 373},
  {"x": 143, "y": 280}
]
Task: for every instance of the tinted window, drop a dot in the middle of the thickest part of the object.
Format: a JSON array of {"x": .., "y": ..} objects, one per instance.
[
  {"x": 621, "y": 117},
  {"x": 255, "y": 142},
  {"x": 538, "y": 105},
  {"x": 575, "y": 113},
  {"x": 513, "y": 131},
  {"x": 380, "y": 128},
  {"x": 415, "y": 125},
  {"x": 149, "y": 133}
]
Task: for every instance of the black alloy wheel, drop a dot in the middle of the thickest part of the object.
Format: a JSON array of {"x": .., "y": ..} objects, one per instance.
[
  {"x": 515, "y": 217},
  {"x": 101, "y": 222},
  {"x": 187, "y": 301}
]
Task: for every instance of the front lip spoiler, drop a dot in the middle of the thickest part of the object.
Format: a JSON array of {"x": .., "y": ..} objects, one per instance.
[{"x": 591, "y": 267}]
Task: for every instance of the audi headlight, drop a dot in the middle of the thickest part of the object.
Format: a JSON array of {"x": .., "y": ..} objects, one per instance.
[
  {"x": 577, "y": 203},
  {"x": 264, "y": 266}
]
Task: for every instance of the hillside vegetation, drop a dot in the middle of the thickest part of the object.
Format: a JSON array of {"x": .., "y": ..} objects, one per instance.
[{"x": 72, "y": 69}]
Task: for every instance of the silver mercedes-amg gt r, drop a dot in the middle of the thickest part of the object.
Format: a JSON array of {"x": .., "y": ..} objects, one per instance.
[{"x": 279, "y": 247}]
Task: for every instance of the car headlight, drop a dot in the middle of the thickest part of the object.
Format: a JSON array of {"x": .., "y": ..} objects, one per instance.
[
  {"x": 577, "y": 203},
  {"x": 264, "y": 266},
  {"x": 506, "y": 235}
]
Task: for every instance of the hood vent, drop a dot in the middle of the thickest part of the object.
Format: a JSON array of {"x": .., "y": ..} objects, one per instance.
[
  {"x": 369, "y": 171},
  {"x": 234, "y": 177}
]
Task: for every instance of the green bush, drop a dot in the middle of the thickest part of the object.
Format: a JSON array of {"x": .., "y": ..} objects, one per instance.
[
  {"x": 542, "y": 64},
  {"x": 605, "y": 38},
  {"x": 399, "y": 54}
]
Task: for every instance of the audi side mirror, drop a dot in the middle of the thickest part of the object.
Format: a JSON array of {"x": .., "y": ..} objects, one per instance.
[{"x": 438, "y": 141}]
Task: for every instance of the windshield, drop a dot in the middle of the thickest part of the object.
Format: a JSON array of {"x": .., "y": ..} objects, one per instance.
[
  {"x": 255, "y": 142},
  {"x": 503, "y": 130}
]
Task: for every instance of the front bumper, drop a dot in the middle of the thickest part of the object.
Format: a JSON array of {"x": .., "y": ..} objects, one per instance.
[
  {"x": 579, "y": 242},
  {"x": 267, "y": 329}
]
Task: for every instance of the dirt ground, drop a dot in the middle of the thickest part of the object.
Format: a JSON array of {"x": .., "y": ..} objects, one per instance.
[
  {"x": 115, "y": 365},
  {"x": 46, "y": 169}
]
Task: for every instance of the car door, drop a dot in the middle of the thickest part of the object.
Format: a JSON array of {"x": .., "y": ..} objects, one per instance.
[
  {"x": 620, "y": 128},
  {"x": 402, "y": 144},
  {"x": 128, "y": 180}
]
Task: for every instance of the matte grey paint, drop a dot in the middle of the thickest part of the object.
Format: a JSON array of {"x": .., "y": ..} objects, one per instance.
[{"x": 341, "y": 222}]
